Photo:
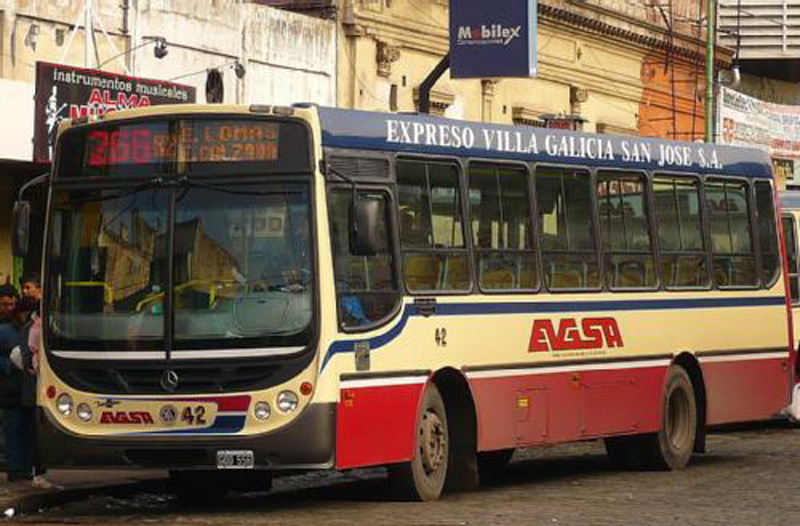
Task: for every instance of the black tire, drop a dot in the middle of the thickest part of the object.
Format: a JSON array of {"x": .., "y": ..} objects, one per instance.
[
  {"x": 493, "y": 462},
  {"x": 626, "y": 452},
  {"x": 423, "y": 478},
  {"x": 198, "y": 487},
  {"x": 671, "y": 448}
]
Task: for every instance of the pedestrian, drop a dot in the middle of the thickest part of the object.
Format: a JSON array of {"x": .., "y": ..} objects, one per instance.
[
  {"x": 19, "y": 419},
  {"x": 8, "y": 299},
  {"x": 31, "y": 286}
]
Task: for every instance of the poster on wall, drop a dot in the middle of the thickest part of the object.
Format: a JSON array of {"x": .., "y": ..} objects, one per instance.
[
  {"x": 493, "y": 38},
  {"x": 746, "y": 121},
  {"x": 67, "y": 92}
]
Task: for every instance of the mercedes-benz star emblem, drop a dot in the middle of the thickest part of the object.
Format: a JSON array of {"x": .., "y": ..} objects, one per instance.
[
  {"x": 169, "y": 414},
  {"x": 169, "y": 380}
]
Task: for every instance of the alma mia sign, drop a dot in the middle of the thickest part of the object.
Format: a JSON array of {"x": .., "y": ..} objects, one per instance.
[
  {"x": 66, "y": 92},
  {"x": 493, "y": 38}
]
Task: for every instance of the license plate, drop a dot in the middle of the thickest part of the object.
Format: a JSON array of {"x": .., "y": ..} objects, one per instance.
[{"x": 235, "y": 459}]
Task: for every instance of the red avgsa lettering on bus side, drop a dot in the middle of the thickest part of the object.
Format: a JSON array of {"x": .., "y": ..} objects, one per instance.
[
  {"x": 592, "y": 333},
  {"x": 126, "y": 417}
]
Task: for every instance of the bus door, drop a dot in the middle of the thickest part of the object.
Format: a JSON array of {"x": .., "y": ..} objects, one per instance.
[{"x": 790, "y": 233}]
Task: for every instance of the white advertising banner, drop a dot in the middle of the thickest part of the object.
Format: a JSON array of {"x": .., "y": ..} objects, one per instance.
[{"x": 746, "y": 121}]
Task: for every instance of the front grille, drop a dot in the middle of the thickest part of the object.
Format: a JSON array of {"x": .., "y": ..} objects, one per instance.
[{"x": 115, "y": 378}]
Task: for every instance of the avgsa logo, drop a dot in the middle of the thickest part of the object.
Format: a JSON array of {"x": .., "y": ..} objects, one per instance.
[
  {"x": 487, "y": 34},
  {"x": 570, "y": 334}
]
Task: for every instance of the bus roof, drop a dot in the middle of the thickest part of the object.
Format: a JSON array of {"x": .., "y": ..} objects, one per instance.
[{"x": 423, "y": 134}]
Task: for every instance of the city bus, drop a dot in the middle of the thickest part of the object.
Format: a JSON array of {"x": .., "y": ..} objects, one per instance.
[{"x": 236, "y": 292}]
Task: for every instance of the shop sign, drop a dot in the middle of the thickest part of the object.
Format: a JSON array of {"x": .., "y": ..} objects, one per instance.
[
  {"x": 746, "y": 121},
  {"x": 493, "y": 38},
  {"x": 66, "y": 92}
]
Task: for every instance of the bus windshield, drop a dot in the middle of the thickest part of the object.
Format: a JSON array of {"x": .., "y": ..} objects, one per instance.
[
  {"x": 188, "y": 238},
  {"x": 241, "y": 267}
]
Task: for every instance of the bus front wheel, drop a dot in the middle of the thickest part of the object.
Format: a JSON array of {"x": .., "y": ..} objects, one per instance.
[{"x": 423, "y": 478}]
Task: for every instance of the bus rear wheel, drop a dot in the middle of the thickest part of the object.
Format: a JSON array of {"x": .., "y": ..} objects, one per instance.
[
  {"x": 423, "y": 478},
  {"x": 671, "y": 448}
]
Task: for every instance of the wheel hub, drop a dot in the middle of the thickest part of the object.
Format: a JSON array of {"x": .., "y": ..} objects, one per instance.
[{"x": 432, "y": 442}]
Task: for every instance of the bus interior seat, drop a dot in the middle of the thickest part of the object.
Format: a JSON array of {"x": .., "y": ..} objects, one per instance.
[
  {"x": 421, "y": 271},
  {"x": 498, "y": 279},
  {"x": 456, "y": 272}
]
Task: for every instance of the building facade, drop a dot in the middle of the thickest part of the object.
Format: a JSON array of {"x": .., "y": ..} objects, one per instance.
[
  {"x": 262, "y": 54},
  {"x": 608, "y": 66}
]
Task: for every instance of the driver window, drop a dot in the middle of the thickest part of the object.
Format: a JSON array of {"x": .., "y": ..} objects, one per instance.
[{"x": 367, "y": 290}]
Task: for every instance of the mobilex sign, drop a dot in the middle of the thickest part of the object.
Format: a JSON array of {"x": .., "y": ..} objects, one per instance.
[
  {"x": 493, "y": 38},
  {"x": 66, "y": 92}
]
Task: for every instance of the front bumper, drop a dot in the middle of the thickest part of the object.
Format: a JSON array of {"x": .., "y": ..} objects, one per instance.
[{"x": 306, "y": 443}]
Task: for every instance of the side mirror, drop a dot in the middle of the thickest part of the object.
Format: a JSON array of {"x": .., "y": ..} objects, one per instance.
[
  {"x": 21, "y": 228},
  {"x": 365, "y": 218}
]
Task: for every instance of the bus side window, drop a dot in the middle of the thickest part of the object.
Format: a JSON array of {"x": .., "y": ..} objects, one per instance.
[
  {"x": 366, "y": 288},
  {"x": 500, "y": 215},
  {"x": 731, "y": 238},
  {"x": 790, "y": 238},
  {"x": 569, "y": 255},
  {"x": 629, "y": 261},
  {"x": 431, "y": 227},
  {"x": 684, "y": 261},
  {"x": 767, "y": 234}
]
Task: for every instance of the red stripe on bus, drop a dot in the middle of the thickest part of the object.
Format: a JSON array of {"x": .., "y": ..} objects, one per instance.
[
  {"x": 224, "y": 403},
  {"x": 375, "y": 425}
]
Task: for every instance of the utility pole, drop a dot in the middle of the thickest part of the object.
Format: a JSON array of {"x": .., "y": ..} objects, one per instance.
[
  {"x": 710, "y": 32},
  {"x": 88, "y": 35}
]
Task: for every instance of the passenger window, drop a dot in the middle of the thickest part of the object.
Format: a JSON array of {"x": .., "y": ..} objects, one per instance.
[
  {"x": 366, "y": 287},
  {"x": 790, "y": 237},
  {"x": 684, "y": 262},
  {"x": 431, "y": 227},
  {"x": 500, "y": 216},
  {"x": 731, "y": 238},
  {"x": 625, "y": 231},
  {"x": 569, "y": 256},
  {"x": 767, "y": 234}
]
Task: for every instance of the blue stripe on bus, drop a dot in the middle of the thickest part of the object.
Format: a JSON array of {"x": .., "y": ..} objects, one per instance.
[{"x": 482, "y": 309}]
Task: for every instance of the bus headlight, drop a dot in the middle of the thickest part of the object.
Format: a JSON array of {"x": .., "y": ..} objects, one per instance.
[
  {"x": 287, "y": 401},
  {"x": 84, "y": 412},
  {"x": 261, "y": 410},
  {"x": 64, "y": 404}
]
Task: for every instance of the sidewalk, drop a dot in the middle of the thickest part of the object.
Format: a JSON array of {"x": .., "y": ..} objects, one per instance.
[{"x": 73, "y": 485}]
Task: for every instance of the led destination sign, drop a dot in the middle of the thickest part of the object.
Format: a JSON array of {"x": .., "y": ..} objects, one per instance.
[
  {"x": 184, "y": 146},
  {"x": 203, "y": 142}
]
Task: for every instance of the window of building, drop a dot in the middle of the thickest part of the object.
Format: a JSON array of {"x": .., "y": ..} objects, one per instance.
[
  {"x": 683, "y": 262},
  {"x": 366, "y": 286},
  {"x": 500, "y": 216},
  {"x": 731, "y": 235},
  {"x": 790, "y": 237},
  {"x": 767, "y": 234},
  {"x": 569, "y": 258},
  {"x": 431, "y": 227},
  {"x": 628, "y": 258}
]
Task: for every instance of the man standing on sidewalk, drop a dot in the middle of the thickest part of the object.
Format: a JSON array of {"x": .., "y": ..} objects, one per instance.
[
  {"x": 8, "y": 299},
  {"x": 19, "y": 419},
  {"x": 31, "y": 286}
]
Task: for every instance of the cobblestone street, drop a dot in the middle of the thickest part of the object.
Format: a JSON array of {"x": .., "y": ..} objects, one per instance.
[{"x": 749, "y": 476}]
